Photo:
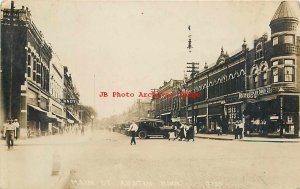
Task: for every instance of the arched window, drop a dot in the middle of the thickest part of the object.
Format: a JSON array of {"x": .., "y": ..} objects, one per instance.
[
  {"x": 241, "y": 81},
  {"x": 259, "y": 51},
  {"x": 255, "y": 78},
  {"x": 230, "y": 83},
  {"x": 264, "y": 75}
]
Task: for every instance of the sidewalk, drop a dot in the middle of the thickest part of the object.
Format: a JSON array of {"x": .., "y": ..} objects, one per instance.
[
  {"x": 31, "y": 162},
  {"x": 247, "y": 139}
]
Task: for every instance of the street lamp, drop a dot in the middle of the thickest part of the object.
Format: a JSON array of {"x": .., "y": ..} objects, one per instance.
[{"x": 92, "y": 117}]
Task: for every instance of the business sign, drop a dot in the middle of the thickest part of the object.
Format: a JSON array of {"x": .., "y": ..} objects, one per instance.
[
  {"x": 232, "y": 98},
  {"x": 255, "y": 93},
  {"x": 69, "y": 101}
]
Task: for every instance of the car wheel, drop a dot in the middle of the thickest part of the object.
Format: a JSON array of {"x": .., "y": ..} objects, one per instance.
[{"x": 143, "y": 134}]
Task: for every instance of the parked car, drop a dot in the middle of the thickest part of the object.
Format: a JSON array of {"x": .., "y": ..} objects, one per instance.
[{"x": 152, "y": 128}]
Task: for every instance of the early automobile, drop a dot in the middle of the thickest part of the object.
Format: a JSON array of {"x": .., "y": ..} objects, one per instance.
[{"x": 152, "y": 128}]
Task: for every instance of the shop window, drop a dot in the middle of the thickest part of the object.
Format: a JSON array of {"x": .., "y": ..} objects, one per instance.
[
  {"x": 288, "y": 73},
  {"x": 275, "y": 75},
  {"x": 275, "y": 41},
  {"x": 289, "y": 119},
  {"x": 291, "y": 62}
]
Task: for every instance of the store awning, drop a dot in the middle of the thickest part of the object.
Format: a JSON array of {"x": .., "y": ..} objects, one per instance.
[
  {"x": 74, "y": 118},
  {"x": 70, "y": 121},
  {"x": 42, "y": 115},
  {"x": 37, "y": 108},
  {"x": 166, "y": 113},
  {"x": 59, "y": 120},
  {"x": 59, "y": 116}
]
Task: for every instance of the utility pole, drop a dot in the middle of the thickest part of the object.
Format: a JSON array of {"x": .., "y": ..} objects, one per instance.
[
  {"x": 193, "y": 69},
  {"x": 11, "y": 58},
  {"x": 154, "y": 111},
  {"x": 139, "y": 106},
  {"x": 93, "y": 103}
]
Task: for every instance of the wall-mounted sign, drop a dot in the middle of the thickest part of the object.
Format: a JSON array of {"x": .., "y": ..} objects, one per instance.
[
  {"x": 255, "y": 93},
  {"x": 274, "y": 117},
  {"x": 232, "y": 98},
  {"x": 69, "y": 101}
]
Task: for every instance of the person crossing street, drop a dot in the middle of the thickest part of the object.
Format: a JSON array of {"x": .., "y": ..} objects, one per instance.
[{"x": 132, "y": 129}]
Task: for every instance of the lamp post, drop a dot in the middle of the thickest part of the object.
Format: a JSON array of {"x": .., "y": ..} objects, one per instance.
[{"x": 92, "y": 117}]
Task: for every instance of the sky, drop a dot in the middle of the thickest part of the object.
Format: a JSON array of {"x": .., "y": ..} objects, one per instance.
[{"x": 130, "y": 46}]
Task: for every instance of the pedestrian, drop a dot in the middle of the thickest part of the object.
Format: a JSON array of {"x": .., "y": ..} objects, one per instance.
[
  {"x": 82, "y": 129},
  {"x": 172, "y": 133},
  {"x": 17, "y": 128},
  {"x": 242, "y": 125},
  {"x": 236, "y": 132},
  {"x": 181, "y": 134},
  {"x": 132, "y": 129},
  {"x": 9, "y": 131},
  {"x": 192, "y": 132},
  {"x": 218, "y": 130},
  {"x": 187, "y": 132}
]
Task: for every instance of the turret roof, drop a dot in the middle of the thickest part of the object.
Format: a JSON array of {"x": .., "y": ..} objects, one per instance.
[{"x": 284, "y": 11}]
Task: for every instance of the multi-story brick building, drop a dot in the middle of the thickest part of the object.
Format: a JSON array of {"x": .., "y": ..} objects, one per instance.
[
  {"x": 259, "y": 86},
  {"x": 26, "y": 62},
  {"x": 56, "y": 106},
  {"x": 70, "y": 94},
  {"x": 167, "y": 101},
  {"x": 25, "y": 65}
]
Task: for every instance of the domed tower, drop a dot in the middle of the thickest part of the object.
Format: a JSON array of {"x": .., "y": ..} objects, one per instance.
[{"x": 283, "y": 36}]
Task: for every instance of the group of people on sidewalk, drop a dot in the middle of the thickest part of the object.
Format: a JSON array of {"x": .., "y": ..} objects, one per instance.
[
  {"x": 11, "y": 131},
  {"x": 186, "y": 132}
]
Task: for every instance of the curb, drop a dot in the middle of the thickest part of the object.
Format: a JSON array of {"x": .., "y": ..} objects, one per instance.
[
  {"x": 247, "y": 140},
  {"x": 63, "y": 180},
  {"x": 213, "y": 138},
  {"x": 273, "y": 141}
]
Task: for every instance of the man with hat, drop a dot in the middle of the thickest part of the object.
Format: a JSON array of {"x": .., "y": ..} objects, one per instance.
[
  {"x": 9, "y": 131},
  {"x": 132, "y": 129}
]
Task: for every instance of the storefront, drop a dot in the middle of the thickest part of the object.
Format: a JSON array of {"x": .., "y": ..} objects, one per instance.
[
  {"x": 38, "y": 120},
  {"x": 215, "y": 113},
  {"x": 273, "y": 115},
  {"x": 201, "y": 118},
  {"x": 166, "y": 117}
]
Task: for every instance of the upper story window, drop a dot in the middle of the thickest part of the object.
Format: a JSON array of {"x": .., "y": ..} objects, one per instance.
[
  {"x": 288, "y": 61},
  {"x": 275, "y": 63},
  {"x": 288, "y": 73},
  {"x": 29, "y": 60},
  {"x": 288, "y": 39},
  {"x": 255, "y": 78},
  {"x": 259, "y": 51},
  {"x": 275, "y": 75},
  {"x": 34, "y": 71},
  {"x": 264, "y": 75},
  {"x": 275, "y": 41}
]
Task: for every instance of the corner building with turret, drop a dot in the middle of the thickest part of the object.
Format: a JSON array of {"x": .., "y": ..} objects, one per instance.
[{"x": 259, "y": 87}]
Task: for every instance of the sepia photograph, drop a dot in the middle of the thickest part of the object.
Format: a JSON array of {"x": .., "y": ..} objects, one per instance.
[{"x": 164, "y": 94}]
